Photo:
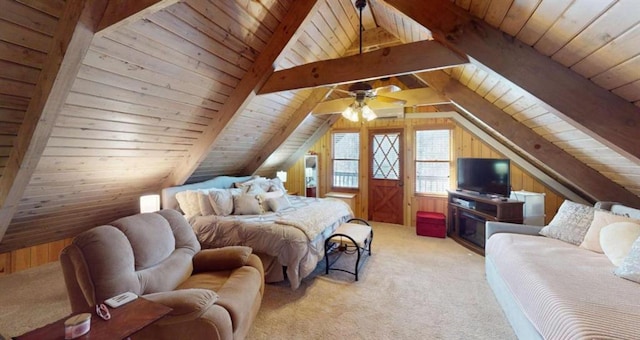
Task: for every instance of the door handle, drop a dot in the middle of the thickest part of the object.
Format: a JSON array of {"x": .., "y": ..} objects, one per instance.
[{"x": 400, "y": 183}]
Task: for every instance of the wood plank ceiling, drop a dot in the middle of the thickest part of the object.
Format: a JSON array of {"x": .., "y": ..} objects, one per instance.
[{"x": 151, "y": 91}]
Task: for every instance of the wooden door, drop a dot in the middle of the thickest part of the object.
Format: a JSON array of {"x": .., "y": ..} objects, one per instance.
[{"x": 385, "y": 176}]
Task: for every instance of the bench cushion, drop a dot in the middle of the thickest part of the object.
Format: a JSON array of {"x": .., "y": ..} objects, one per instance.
[{"x": 358, "y": 232}]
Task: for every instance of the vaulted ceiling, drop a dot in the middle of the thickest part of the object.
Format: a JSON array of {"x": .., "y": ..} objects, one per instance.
[{"x": 102, "y": 101}]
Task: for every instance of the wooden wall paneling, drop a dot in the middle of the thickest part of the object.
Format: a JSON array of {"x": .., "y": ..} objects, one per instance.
[
  {"x": 546, "y": 13},
  {"x": 517, "y": 16},
  {"x": 51, "y": 91},
  {"x": 573, "y": 20},
  {"x": 119, "y": 13},
  {"x": 619, "y": 18},
  {"x": 54, "y": 8},
  {"x": 280, "y": 41},
  {"x": 21, "y": 36}
]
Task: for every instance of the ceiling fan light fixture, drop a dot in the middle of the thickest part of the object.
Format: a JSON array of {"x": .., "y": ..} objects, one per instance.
[
  {"x": 350, "y": 114},
  {"x": 367, "y": 113}
]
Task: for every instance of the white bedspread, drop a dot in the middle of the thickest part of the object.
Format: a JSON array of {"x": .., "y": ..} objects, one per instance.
[{"x": 294, "y": 236}]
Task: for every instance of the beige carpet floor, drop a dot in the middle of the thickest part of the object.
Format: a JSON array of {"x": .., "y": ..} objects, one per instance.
[{"x": 411, "y": 288}]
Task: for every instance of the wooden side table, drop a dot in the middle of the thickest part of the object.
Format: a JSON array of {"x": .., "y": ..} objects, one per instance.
[{"x": 125, "y": 320}]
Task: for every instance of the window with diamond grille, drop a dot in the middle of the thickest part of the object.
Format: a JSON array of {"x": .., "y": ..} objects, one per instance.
[
  {"x": 433, "y": 161},
  {"x": 386, "y": 156},
  {"x": 346, "y": 159}
]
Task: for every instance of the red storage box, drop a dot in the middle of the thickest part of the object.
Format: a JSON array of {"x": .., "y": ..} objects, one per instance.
[{"x": 431, "y": 224}]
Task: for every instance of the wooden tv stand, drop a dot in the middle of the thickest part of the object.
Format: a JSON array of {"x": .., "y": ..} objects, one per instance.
[{"x": 469, "y": 211}]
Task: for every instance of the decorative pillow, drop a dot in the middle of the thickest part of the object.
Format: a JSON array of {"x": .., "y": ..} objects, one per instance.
[
  {"x": 630, "y": 267},
  {"x": 570, "y": 223},
  {"x": 246, "y": 204},
  {"x": 255, "y": 189},
  {"x": 205, "y": 205},
  {"x": 222, "y": 201},
  {"x": 616, "y": 240},
  {"x": 276, "y": 204},
  {"x": 188, "y": 202},
  {"x": 601, "y": 219}
]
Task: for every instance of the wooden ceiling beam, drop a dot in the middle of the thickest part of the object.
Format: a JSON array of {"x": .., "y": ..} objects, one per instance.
[
  {"x": 316, "y": 96},
  {"x": 590, "y": 108},
  {"x": 283, "y": 37},
  {"x": 547, "y": 154},
  {"x": 71, "y": 40},
  {"x": 389, "y": 61},
  {"x": 122, "y": 12}
]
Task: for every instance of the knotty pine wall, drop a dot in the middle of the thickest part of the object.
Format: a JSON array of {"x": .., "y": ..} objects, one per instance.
[
  {"x": 464, "y": 144},
  {"x": 30, "y": 257}
]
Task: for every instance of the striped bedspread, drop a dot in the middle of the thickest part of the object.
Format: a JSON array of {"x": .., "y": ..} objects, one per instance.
[{"x": 567, "y": 292}]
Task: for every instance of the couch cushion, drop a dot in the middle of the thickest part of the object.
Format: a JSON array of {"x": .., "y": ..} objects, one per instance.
[
  {"x": 150, "y": 236},
  {"x": 566, "y": 291}
]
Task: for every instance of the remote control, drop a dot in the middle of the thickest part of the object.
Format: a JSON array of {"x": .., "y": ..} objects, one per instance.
[{"x": 121, "y": 299}]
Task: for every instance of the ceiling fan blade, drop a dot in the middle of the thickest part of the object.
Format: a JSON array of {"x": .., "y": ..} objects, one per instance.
[
  {"x": 419, "y": 97},
  {"x": 332, "y": 106},
  {"x": 343, "y": 91},
  {"x": 386, "y": 89},
  {"x": 387, "y": 101}
]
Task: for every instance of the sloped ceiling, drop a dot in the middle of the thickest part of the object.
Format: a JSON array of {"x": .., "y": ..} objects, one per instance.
[{"x": 173, "y": 91}]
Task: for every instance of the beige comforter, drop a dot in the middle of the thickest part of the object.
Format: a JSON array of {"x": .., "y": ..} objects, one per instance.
[{"x": 295, "y": 236}]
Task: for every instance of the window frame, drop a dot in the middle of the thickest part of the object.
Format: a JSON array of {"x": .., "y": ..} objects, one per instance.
[
  {"x": 333, "y": 159},
  {"x": 416, "y": 161}
]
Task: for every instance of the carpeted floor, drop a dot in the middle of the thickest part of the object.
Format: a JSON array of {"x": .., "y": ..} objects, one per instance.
[{"x": 411, "y": 288}]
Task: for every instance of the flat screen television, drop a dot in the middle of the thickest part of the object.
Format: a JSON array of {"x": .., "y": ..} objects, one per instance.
[{"x": 484, "y": 176}]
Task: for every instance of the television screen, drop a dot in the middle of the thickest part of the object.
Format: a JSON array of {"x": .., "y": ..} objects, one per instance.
[{"x": 484, "y": 176}]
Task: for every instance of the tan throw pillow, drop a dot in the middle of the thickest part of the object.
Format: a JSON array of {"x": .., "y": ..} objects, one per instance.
[
  {"x": 246, "y": 204},
  {"x": 616, "y": 240},
  {"x": 601, "y": 219},
  {"x": 570, "y": 223}
]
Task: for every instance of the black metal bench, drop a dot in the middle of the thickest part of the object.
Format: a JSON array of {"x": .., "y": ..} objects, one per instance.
[{"x": 353, "y": 236}]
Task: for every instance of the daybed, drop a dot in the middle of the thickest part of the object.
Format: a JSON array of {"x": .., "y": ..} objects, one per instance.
[
  {"x": 214, "y": 294},
  {"x": 284, "y": 230},
  {"x": 561, "y": 286}
]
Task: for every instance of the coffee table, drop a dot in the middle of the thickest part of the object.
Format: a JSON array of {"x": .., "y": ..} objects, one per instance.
[{"x": 125, "y": 320}]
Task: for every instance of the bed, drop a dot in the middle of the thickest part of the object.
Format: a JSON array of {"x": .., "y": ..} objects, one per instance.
[{"x": 287, "y": 233}]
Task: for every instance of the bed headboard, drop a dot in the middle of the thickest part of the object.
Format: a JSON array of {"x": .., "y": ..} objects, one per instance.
[{"x": 168, "y": 195}]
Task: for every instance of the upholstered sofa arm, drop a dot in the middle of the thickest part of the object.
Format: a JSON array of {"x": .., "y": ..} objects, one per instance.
[
  {"x": 185, "y": 302},
  {"x": 224, "y": 258},
  {"x": 514, "y": 228}
]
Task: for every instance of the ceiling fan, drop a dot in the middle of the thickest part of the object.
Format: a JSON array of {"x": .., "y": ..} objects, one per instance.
[{"x": 371, "y": 103}]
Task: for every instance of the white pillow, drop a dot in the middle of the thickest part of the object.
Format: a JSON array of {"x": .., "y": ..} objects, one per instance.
[
  {"x": 278, "y": 203},
  {"x": 221, "y": 200},
  {"x": 188, "y": 202},
  {"x": 205, "y": 206},
  {"x": 617, "y": 238},
  {"x": 630, "y": 267},
  {"x": 601, "y": 219}
]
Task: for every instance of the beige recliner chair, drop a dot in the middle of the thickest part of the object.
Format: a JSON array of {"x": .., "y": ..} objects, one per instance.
[{"x": 214, "y": 293}]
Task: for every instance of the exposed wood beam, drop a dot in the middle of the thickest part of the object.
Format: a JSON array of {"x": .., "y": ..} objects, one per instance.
[
  {"x": 593, "y": 110},
  {"x": 72, "y": 38},
  {"x": 316, "y": 96},
  {"x": 324, "y": 128},
  {"x": 389, "y": 61},
  {"x": 122, "y": 12},
  {"x": 578, "y": 174},
  {"x": 283, "y": 37}
]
